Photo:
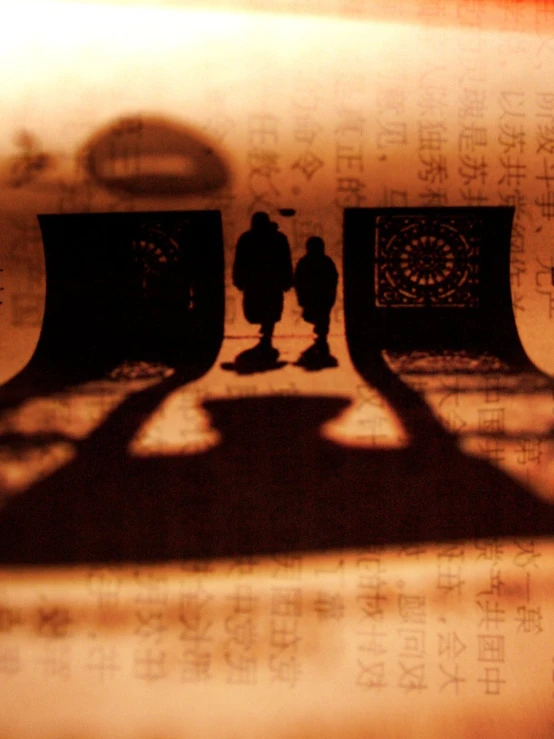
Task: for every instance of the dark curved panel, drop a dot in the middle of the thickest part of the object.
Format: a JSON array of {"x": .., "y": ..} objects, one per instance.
[
  {"x": 430, "y": 279},
  {"x": 132, "y": 286}
]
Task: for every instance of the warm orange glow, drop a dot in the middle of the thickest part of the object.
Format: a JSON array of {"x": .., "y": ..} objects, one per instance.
[
  {"x": 100, "y": 611},
  {"x": 191, "y": 66},
  {"x": 433, "y": 640}
]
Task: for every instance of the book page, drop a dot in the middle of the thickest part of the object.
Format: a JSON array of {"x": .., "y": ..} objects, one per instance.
[{"x": 325, "y": 522}]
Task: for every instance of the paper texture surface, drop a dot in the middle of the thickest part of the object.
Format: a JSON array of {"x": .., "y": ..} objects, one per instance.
[{"x": 365, "y": 549}]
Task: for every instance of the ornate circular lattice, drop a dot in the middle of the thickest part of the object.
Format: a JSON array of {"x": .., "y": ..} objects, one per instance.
[
  {"x": 425, "y": 262},
  {"x": 154, "y": 252}
]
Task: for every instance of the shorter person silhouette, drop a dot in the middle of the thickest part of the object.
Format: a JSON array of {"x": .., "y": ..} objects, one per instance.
[{"x": 315, "y": 283}]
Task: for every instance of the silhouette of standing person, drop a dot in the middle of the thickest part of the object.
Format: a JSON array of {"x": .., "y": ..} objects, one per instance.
[
  {"x": 263, "y": 272},
  {"x": 315, "y": 282}
]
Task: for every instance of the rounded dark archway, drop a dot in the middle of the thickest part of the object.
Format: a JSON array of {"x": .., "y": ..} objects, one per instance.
[{"x": 126, "y": 287}]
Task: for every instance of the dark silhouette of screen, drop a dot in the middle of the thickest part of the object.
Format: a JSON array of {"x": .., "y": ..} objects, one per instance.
[
  {"x": 126, "y": 286},
  {"x": 430, "y": 279}
]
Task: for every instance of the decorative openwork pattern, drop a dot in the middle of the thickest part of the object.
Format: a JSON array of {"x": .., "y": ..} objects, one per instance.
[
  {"x": 427, "y": 261},
  {"x": 155, "y": 252}
]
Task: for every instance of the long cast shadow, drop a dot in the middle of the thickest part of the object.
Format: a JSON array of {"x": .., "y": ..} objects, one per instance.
[{"x": 272, "y": 485}]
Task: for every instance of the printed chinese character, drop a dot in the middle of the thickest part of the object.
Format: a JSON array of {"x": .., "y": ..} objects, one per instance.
[
  {"x": 434, "y": 169},
  {"x": 491, "y": 420},
  {"x": 412, "y": 608},
  {"x": 390, "y": 99},
  {"x": 153, "y": 588},
  {"x": 262, "y": 129},
  {"x": 529, "y": 450},
  {"x": 242, "y": 667},
  {"x": 9, "y": 618},
  {"x": 308, "y": 164},
  {"x": 514, "y": 172},
  {"x": 53, "y": 622},
  {"x": 431, "y": 135},
  {"x": 306, "y": 129},
  {"x": 512, "y": 137},
  {"x": 433, "y": 197},
  {"x": 243, "y": 599},
  {"x": 490, "y": 648},
  {"x": 329, "y": 606},
  {"x": 195, "y": 666},
  {"x": 349, "y": 157},
  {"x": 391, "y": 133},
  {"x": 449, "y": 576},
  {"x": 472, "y": 102},
  {"x": 412, "y": 677},
  {"x": 103, "y": 661},
  {"x": 526, "y": 556},
  {"x": 411, "y": 643},
  {"x": 10, "y": 659},
  {"x": 492, "y": 680},
  {"x": 474, "y": 197},
  {"x": 450, "y": 645},
  {"x": 151, "y": 624},
  {"x": 373, "y": 640},
  {"x": 490, "y": 550},
  {"x": 284, "y": 633},
  {"x": 529, "y": 620},
  {"x": 512, "y": 104},
  {"x": 56, "y": 661},
  {"x": 371, "y": 676},
  {"x": 453, "y": 678},
  {"x": 288, "y": 567},
  {"x": 470, "y": 137},
  {"x": 473, "y": 168},
  {"x": 285, "y": 669},
  {"x": 349, "y": 192},
  {"x": 493, "y": 615},
  {"x": 433, "y": 100},
  {"x": 149, "y": 664},
  {"x": 546, "y": 204}
]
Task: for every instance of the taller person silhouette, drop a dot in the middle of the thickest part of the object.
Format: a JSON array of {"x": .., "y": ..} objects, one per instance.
[{"x": 263, "y": 273}]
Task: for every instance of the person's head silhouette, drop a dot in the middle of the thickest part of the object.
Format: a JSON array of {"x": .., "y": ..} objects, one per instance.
[
  {"x": 259, "y": 221},
  {"x": 315, "y": 246}
]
